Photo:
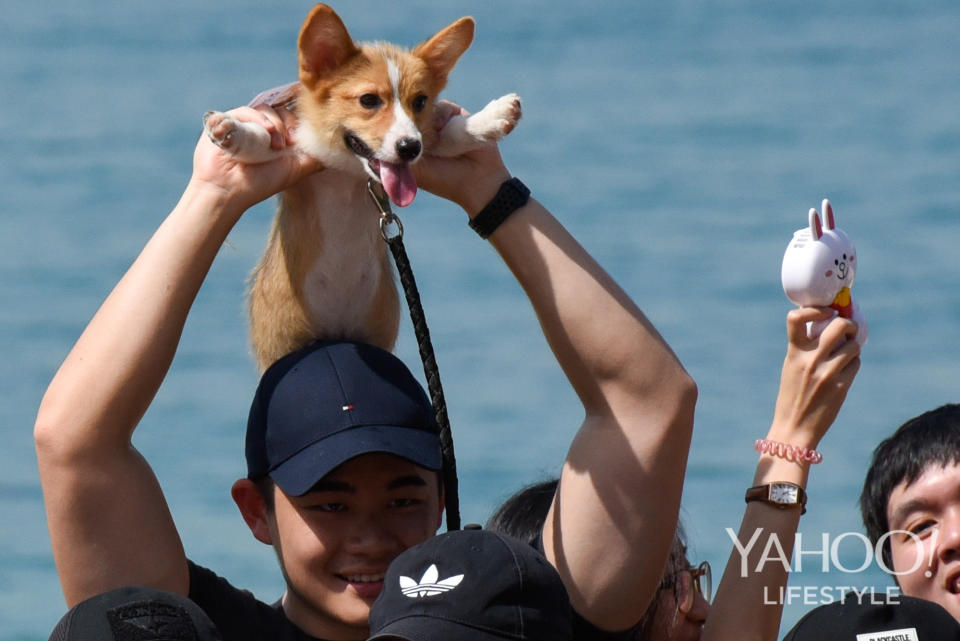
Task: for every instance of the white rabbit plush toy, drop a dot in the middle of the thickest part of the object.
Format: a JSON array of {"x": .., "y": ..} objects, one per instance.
[{"x": 818, "y": 269}]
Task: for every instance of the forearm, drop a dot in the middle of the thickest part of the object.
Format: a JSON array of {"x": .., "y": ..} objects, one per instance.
[
  {"x": 816, "y": 375},
  {"x": 610, "y": 352},
  {"x": 113, "y": 371},
  {"x": 755, "y": 575}
]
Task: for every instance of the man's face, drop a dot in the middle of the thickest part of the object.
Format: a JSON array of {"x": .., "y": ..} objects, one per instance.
[
  {"x": 335, "y": 542},
  {"x": 928, "y": 508}
]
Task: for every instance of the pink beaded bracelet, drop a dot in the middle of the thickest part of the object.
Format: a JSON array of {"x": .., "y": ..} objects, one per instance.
[{"x": 789, "y": 452}]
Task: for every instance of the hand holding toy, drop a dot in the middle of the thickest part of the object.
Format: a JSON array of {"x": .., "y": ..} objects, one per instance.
[{"x": 818, "y": 270}]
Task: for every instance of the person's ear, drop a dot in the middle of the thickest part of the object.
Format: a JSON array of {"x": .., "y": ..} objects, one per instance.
[
  {"x": 685, "y": 597},
  {"x": 253, "y": 508}
]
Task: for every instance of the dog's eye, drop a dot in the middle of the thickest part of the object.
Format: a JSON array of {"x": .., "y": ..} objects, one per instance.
[
  {"x": 419, "y": 103},
  {"x": 370, "y": 101}
]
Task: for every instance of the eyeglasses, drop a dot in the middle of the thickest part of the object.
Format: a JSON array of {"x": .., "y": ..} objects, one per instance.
[{"x": 702, "y": 579}]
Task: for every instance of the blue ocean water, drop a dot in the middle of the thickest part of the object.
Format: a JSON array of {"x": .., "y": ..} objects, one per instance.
[{"x": 681, "y": 142}]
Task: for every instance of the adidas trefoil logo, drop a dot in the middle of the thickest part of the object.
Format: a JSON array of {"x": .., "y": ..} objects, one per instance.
[{"x": 428, "y": 584}]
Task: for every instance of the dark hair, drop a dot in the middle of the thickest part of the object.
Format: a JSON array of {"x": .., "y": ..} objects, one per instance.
[
  {"x": 677, "y": 562},
  {"x": 933, "y": 438},
  {"x": 523, "y": 514}
]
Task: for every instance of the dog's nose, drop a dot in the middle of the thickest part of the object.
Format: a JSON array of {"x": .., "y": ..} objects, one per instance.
[{"x": 408, "y": 148}]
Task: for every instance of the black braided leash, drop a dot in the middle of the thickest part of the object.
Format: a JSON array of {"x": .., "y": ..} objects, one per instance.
[{"x": 430, "y": 370}]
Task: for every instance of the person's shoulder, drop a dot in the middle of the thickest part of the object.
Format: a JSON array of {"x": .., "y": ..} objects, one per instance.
[
  {"x": 583, "y": 630},
  {"x": 205, "y": 584},
  {"x": 238, "y": 613}
]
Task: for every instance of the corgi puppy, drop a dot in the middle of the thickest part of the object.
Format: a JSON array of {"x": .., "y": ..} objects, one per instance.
[{"x": 366, "y": 111}]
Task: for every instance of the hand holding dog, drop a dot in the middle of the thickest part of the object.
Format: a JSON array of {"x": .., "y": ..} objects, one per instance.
[
  {"x": 245, "y": 183},
  {"x": 470, "y": 179}
]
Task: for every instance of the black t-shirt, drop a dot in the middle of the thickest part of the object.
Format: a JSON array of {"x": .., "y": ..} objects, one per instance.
[
  {"x": 238, "y": 614},
  {"x": 583, "y": 630}
]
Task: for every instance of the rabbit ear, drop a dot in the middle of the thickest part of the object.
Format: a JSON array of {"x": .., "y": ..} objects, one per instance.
[
  {"x": 828, "y": 214},
  {"x": 816, "y": 230}
]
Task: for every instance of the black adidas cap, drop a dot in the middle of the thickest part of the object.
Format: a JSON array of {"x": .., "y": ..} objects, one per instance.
[
  {"x": 136, "y": 614},
  {"x": 471, "y": 585}
]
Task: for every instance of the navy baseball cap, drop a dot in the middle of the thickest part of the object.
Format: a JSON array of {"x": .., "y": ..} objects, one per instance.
[
  {"x": 853, "y": 618},
  {"x": 136, "y": 614},
  {"x": 322, "y": 405},
  {"x": 471, "y": 585}
]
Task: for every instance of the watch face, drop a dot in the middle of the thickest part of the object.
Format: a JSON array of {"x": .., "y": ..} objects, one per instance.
[{"x": 783, "y": 493}]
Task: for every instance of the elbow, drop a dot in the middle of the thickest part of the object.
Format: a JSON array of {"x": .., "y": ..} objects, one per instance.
[
  {"x": 676, "y": 404},
  {"x": 664, "y": 394},
  {"x": 688, "y": 394},
  {"x": 65, "y": 437},
  {"x": 677, "y": 394},
  {"x": 45, "y": 433},
  {"x": 660, "y": 376},
  {"x": 55, "y": 436}
]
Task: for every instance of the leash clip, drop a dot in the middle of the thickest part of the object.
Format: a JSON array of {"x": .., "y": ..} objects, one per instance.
[{"x": 387, "y": 217}]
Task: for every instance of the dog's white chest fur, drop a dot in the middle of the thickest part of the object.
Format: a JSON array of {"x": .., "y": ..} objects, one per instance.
[{"x": 339, "y": 284}]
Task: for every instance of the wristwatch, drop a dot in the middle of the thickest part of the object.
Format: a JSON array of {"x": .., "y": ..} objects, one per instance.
[
  {"x": 781, "y": 494},
  {"x": 512, "y": 195}
]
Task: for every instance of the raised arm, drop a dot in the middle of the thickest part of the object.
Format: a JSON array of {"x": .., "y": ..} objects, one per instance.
[
  {"x": 817, "y": 373},
  {"x": 612, "y": 521},
  {"x": 109, "y": 523}
]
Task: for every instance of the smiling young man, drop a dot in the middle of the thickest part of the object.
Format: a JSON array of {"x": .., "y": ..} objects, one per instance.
[
  {"x": 337, "y": 516},
  {"x": 342, "y": 457},
  {"x": 911, "y": 496}
]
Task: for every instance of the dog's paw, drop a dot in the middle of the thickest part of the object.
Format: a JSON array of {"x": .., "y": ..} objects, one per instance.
[
  {"x": 220, "y": 128},
  {"x": 246, "y": 141},
  {"x": 497, "y": 119},
  {"x": 465, "y": 133}
]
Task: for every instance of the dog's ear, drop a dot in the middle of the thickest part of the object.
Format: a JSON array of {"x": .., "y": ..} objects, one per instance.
[
  {"x": 324, "y": 44},
  {"x": 442, "y": 51}
]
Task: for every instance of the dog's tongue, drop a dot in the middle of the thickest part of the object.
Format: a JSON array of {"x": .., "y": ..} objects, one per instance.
[{"x": 399, "y": 183}]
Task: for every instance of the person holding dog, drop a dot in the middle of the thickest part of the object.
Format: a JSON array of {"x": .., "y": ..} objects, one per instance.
[{"x": 338, "y": 521}]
